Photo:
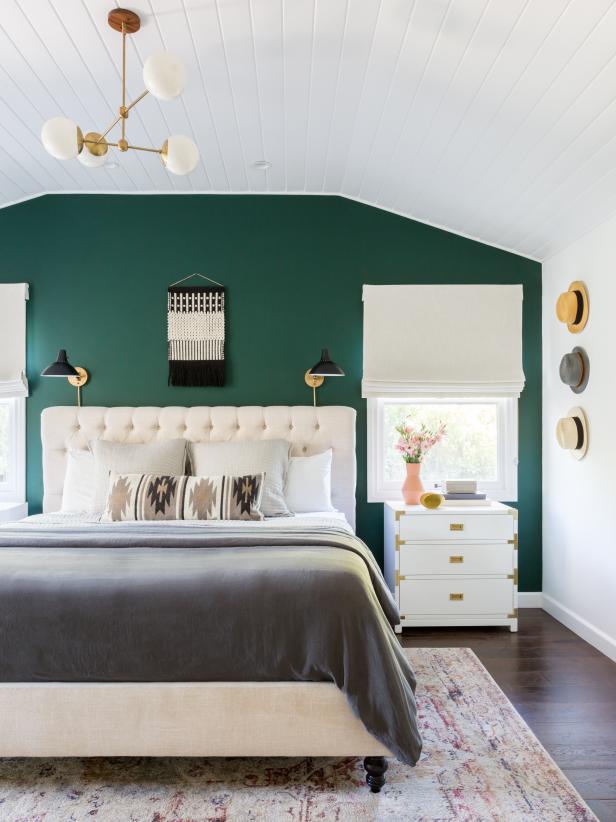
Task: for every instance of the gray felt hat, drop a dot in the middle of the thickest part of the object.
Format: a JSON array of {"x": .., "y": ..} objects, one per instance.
[{"x": 575, "y": 370}]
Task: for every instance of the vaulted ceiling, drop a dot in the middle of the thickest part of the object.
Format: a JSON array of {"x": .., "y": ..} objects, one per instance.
[{"x": 492, "y": 118}]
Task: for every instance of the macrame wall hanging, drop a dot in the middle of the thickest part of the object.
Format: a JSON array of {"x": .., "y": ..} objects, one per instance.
[{"x": 196, "y": 333}]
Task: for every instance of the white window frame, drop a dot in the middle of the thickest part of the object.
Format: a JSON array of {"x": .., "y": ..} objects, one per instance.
[
  {"x": 14, "y": 490},
  {"x": 504, "y": 489}
]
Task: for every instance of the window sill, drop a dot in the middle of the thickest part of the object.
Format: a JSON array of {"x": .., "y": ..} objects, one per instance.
[
  {"x": 389, "y": 494},
  {"x": 11, "y": 511}
]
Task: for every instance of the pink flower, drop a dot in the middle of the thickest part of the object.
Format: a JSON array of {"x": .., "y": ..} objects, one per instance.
[{"x": 414, "y": 443}]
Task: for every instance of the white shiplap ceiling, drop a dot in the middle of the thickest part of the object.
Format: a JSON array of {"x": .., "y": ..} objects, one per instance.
[{"x": 493, "y": 118}]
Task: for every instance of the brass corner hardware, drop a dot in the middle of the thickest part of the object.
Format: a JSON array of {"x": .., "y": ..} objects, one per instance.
[
  {"x": 513, "y": 614},
  {"x": 399, "y": 576},
  {"x": 513, "y": 576},
  {"x": 399, "y": 542},
  {"x": 513, "y": 542},
  {"x": 456, "y": 559},
  {"x": 456, "y": 597},
  {"x": 398, "y": 514},
  {"x": 456, "y": 526}
]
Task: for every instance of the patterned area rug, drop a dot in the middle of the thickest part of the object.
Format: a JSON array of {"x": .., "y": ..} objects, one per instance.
[{"x": 481, "y": 762}]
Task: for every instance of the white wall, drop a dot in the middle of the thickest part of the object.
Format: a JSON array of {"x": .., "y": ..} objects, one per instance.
[{"x": 579, "y": 498}]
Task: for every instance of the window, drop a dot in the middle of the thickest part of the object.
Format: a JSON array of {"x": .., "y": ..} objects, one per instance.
[
  {"x": 12, "y": 450},
  {"x": 481, "y": 443}
]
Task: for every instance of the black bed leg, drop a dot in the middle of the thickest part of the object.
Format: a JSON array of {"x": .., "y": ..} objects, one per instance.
[{"x": 375, "y": 772}]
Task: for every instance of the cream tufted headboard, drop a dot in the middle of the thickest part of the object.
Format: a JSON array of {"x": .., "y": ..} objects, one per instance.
[{"x": 309, "y": 430}]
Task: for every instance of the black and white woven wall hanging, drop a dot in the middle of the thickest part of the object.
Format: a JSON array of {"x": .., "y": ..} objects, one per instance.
[{"x": 196, "y": 334}]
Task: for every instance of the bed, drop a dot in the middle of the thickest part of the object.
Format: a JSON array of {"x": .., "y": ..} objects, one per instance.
[{"x": 208, "y": 639}]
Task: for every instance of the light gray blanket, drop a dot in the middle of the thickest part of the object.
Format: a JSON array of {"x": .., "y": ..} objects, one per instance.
[{"x": 126, "y": 603}]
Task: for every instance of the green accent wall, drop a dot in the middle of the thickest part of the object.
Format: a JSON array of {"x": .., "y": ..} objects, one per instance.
[{"x": 98, "y": 268}]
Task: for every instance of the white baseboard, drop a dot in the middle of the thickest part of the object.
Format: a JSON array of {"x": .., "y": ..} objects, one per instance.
[
  {"x": 530, "y": 599},
  {"x": 593, "y": 635}
]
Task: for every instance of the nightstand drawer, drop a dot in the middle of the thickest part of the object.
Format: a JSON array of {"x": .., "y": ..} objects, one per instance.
[
  {"x": 456, "y": 559},
  {"x": 456, "y": 596},
  {"x": 455, "y": 526}
]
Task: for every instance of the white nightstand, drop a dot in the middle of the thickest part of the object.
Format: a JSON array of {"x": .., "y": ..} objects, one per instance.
[
  {"x": 453, "y": 566},
  {"x": 11, "y": 511}
]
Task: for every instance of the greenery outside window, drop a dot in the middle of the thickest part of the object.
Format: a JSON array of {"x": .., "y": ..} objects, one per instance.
[{"x": 481, "y": 443}]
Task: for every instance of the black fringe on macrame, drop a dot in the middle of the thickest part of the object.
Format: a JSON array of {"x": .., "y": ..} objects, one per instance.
[{"x": 197, "y": 373}]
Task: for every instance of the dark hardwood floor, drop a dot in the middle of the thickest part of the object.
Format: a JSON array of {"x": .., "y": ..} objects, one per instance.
[{"x": 561, "y": 685}]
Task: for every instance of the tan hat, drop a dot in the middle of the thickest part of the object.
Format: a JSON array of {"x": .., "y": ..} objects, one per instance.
[
  {"x": 572, "y": 433},
  {"x": 572, "y": 307}
]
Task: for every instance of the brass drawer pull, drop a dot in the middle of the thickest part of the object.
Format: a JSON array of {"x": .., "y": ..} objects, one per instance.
[
  {"x": 456, "y": 597},
  {"x": 455, "y": 560},
  {"x": 456, "y": 526}
]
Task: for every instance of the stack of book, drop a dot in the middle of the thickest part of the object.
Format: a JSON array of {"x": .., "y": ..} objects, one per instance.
[{"x": 463, "y": 492}]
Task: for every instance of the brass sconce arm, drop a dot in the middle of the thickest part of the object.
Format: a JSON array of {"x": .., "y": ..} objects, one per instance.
[
  {"x": 313, "y": 381},
  {"x": 78, "y": 381}
]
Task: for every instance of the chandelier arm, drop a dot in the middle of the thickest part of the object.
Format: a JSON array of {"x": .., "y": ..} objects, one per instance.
[
  {"x": 119, "y": 117},
  {"x": 151, "y": 150},
  {"x": 123, "y": 107},
  {"x": 136, "y": 100},
  {"x": 134, "y": 148},
  {"x": 105, "y": 133},
  {"x": 96, "y": 142}
]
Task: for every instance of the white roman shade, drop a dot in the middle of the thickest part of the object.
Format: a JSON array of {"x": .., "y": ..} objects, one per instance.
[
  {"x": 13, "y": 298},
  {"x": 459, "y": 340}
]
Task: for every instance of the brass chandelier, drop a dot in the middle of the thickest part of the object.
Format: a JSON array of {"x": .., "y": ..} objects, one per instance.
[{"x": 164, "y": 77}]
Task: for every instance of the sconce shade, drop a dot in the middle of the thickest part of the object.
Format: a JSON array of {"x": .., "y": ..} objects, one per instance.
[
  {"x": 61, "y": 138},
  {"x": 180, "y": 155},
  {"x": 164, "y": 76},
  {"x": 326, "y": 367},
  {"x": 60, "y": 368}
]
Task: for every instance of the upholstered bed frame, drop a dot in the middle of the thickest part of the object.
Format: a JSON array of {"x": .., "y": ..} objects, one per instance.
[
  {"x": 309, "y": 430},
  {"x": 191, "y": 718}
]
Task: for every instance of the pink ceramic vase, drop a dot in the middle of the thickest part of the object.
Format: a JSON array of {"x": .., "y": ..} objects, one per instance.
[{"x": 412, "y": 487}]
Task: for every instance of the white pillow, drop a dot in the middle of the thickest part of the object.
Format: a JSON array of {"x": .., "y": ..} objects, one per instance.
[
  {"x": 78, "y": 491},
  {"x": 309, "y": 483},
  {"x": 165, "y": 457},
  {"x": 234, "y": 459}
]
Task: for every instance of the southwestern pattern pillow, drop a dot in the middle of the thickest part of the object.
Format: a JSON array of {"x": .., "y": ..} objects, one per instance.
[{"x": 161, "y": 497}]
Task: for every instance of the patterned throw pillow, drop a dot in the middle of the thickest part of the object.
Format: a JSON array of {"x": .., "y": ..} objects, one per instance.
[{"x": 156, "y": 497}]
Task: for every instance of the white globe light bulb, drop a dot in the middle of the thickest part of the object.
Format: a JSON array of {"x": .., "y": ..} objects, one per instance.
[
  {"x": 180, "y": 155},
  {"x": 92, "y": 160},
  {"x": 61, "y": 137},
  {"x": 94, "y": 153},
  {"x": 164, "y": 76}
]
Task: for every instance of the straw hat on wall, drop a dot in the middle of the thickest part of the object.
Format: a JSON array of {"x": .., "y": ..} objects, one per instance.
[
  {"x": 572, "y": 307},
  {"x": 572, "y": 433}
]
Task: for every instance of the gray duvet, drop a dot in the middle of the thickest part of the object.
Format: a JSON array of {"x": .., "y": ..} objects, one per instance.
[{"x": 118, "y": 603}]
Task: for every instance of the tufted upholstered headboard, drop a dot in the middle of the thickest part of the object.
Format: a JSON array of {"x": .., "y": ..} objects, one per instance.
[{"x": 309, "y": 430}]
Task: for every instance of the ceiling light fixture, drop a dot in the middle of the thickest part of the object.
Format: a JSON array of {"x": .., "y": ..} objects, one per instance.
[{"x": 164, "y": 77}]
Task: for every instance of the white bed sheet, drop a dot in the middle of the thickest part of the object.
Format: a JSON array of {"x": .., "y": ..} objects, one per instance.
[{"x": 335, "y": 519}]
